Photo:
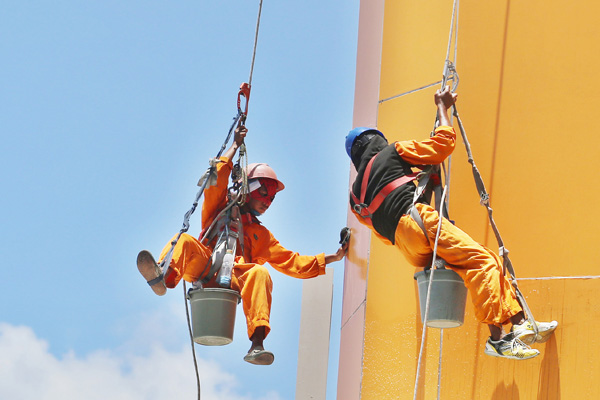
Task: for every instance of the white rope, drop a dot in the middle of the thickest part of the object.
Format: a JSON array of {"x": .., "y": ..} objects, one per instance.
[
  {"x": 410, "y": 92},
  {"x": 548, "y": 278},
  {"x": 448, "y": 69},
  {"x": 429, "y": 286},
  {"x": 189, "y": 323},
  {"x": 164, "y": 265},
  {"x": 484, "y": 200},
  {"x": 242, "y": 156},
  {"x": 440, "y": 363},
  {"x": 255, "y": 43},
  {"x": 453, "y": 31}
]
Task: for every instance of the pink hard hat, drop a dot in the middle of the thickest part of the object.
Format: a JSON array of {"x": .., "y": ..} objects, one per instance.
[{"x": 262, "y": 170}]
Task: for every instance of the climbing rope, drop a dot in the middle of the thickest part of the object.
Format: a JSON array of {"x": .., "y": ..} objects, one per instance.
[
  {"x": 427, "y": 301},
  {"x": 189, "y": 324},
  {"x": 440, "y": 363},
  {"x": 550, "y": 278},
  {"x": 240, "y": 186},
  {"x": 255, "y": 42},
  {"x": 485, "y": 201},
  {"x": 208, "y": 177},
  {"x": 449, "y": 75},
  {"x": 410, "y": 92}
]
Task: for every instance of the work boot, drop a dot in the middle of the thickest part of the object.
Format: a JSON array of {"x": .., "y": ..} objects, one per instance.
[
  {"x": 509, "y": 347},
  {"x": 526, "y": 333},
  {"x": 151, "y": 272}
]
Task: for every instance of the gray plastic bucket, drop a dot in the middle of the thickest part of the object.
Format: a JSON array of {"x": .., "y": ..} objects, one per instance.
[
  {"x": 213, "y": 315},
  {"x": 447, "y": 300}
]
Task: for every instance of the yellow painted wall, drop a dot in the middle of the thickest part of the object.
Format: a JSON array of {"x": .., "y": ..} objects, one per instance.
[{"x": 528, "y": 98}]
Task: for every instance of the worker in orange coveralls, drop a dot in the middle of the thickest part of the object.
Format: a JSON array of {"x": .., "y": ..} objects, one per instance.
[
  {"x": 401, "y": 222},
  {"x": 249, "y": 277}
]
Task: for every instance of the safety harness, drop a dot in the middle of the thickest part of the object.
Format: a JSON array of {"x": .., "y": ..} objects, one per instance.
[
  {"x": 366, "y": 211},
  {"x": 226, "y": 231},
  {"x": 424, "y": 190}
]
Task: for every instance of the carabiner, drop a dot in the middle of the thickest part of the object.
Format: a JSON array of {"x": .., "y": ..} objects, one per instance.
[{"x": 244, "y": 92}]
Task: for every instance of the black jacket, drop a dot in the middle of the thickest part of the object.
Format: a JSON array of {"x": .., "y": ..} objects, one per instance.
[{"x": 387, "y": 167}]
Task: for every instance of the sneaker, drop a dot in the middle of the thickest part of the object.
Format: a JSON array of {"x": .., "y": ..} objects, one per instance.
[
  {"x": 525, "y": 331},
  {"x": 509, "y": 347},
  {"x": 259, "y": 357}
]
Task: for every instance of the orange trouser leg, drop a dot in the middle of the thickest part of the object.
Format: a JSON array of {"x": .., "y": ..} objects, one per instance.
[
  {"x": 255, "y": 286},
  {"x": 190, "y": 258},
  {"x": 491, "y": 292}
]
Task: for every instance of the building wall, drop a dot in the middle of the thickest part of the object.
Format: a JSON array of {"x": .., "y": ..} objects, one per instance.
[{"x": 527, "y": 97}]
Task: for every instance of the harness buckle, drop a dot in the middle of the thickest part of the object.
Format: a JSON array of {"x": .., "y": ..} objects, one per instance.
[{"x": 359, "y": 208}]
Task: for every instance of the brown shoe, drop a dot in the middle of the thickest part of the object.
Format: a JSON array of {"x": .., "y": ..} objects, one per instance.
[{"x": 151, "y": 272}]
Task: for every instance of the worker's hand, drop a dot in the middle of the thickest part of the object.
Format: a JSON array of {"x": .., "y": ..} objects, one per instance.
[
  {"x": 339, "y": 254},
  {"x": 445, "y": 98},
  {"x": 240, "y": 134}
]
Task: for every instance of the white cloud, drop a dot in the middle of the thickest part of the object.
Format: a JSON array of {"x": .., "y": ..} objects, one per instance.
[{"x": 29, "y": 371}]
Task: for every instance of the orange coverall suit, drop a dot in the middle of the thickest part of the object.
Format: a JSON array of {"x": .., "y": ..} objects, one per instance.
[
  {"x": 249, "y": 277},
  {"x": 481, "y": 269}
]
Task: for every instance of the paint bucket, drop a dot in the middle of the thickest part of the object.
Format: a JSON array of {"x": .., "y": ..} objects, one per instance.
[
  {"x": 447, "y": 300},
  {"x": 213, "y": 315}
]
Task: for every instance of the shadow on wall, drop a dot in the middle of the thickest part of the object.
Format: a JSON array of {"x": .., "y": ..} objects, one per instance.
[
  {"x": 549, "y": 383},
  {"x": 504, "y": 392}
]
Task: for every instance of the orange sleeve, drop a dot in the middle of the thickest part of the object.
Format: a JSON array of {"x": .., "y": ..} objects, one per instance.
[
  {"x": 215, "y": 197},
  {"x": 430, "y": 151},
  {"x": 268, "y": 249}
]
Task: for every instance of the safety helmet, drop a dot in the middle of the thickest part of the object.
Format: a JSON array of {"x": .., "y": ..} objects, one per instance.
[
  {"x": 356, "y": 132},
  {"x": 262, "y": 170}
]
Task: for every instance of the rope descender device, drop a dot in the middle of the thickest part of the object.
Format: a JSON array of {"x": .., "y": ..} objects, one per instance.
[{"x": 245, "y": 93}]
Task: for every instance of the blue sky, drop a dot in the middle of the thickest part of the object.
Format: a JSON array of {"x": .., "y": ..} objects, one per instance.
[{"x": 109, "y": 113}]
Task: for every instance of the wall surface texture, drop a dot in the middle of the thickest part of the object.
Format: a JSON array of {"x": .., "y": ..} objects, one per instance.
[{"x": 527, "y": 100}]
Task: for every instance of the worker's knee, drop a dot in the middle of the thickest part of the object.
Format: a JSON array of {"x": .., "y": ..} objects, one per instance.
[
  {"x": 260, "y": 272},
  {"x": 186, "y": 241},
  {"x": 259, "y": 275}
]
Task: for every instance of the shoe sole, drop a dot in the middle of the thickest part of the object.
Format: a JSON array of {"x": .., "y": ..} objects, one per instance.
[
  {"x": 150, "y": 270},
  {"x": 260, "y": 358},
  {"x": 529, "y": 337},
  {"x": 543, "y": 337},
  {"x": 494, "y": 353}
]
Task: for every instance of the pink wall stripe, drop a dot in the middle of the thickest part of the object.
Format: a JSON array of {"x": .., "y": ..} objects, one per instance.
[{"x": 366, "y": 97}]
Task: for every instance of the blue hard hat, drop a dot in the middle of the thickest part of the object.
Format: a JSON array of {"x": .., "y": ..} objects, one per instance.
[{"x": 356, "y": 132}]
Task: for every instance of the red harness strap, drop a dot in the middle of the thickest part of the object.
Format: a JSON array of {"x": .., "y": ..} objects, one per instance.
[
  {"x": 248, "y": 218},
  {"x": 366, "y": 210}
]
